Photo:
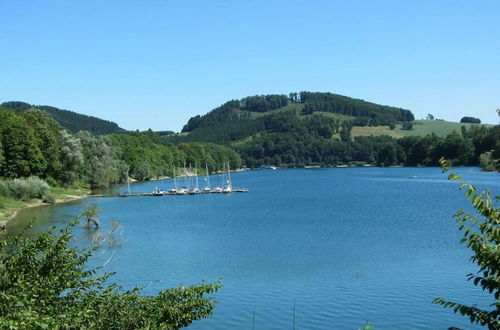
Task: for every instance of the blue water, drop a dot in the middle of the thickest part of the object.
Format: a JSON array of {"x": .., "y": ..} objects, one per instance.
[{"x": 346, "y": 244}]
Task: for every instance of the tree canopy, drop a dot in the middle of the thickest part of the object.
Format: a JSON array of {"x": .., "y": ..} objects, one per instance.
[
  {"x": 45, "y": 283},
  {"x": 34, "y": 144},
  {"x": 472, "y": 120}
]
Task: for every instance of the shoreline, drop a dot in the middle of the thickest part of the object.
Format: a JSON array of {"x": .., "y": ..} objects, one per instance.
[{"x": 8, "y": 215}]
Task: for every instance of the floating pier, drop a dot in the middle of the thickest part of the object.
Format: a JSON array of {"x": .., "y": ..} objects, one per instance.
[{"x": 235, "y": 190}]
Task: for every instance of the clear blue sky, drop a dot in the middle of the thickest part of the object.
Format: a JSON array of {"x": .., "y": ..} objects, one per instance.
[{"x": 154, "y": 64}]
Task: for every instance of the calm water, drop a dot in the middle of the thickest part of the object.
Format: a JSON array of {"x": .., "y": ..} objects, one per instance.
[{"x": 347, "y": 245}]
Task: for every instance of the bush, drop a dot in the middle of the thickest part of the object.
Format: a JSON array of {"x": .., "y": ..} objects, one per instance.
[
  {"x": 47, "y": 269},
  {"x": 49, "y": 198},
  {"x": 481, "y": 235},
  {"x": 4, "y": 189},
  {"x": 51, "y": 181},
  {"x": 28, "y": 188}
]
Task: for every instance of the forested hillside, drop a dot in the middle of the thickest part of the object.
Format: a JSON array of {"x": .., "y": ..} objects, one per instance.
[
  {"x": 71, "y": 120},
  {"x": 32, "y": 143},
  {"x": 325, "y": 129},
  {"x": 238, "y": 119}
]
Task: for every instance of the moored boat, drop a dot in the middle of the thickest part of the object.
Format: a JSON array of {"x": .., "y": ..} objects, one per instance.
[{"x": 158, "y": 192}]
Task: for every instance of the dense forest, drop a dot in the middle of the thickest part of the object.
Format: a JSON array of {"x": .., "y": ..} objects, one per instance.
[
  {"x": 73, "y": 121},
  {"x": 366, "y": 113},
  {"x": 32, "y": 143}
]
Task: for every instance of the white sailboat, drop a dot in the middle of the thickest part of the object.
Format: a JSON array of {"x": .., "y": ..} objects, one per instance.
[
  {"x": 228, "y": 188},
  {"x": 196, "y": 189},
  {"x": 173, "y": 191},
  {"x": 158, "y": 192},
  {"x": 207, "y": 189},
  {"x": 183, "y": 190}
]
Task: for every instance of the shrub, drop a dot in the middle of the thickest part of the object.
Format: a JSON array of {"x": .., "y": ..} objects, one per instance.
[
  {"x": 47, "y": 269},
  {"x": 482, "y": 236},
  {"x": 51, "y": 181},
  {"x": 49, "y": 198},
  {"x": 28, "y": 188},
  {"x": 4, "y": 189}
]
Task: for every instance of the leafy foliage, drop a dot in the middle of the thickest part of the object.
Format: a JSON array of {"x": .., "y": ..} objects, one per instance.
[
  {"x": 102, "y": 164},
  {"x": 45, "y": 284},
  {"x": 23, "y": 156},
  {"x": 482, "y": 236}
]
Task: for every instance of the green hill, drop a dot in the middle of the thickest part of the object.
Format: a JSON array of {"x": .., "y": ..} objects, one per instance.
[
  {"x": 327, "y": 129},
  {"x": 71, "y": 120},
  {"x": 238, "y": 119}
]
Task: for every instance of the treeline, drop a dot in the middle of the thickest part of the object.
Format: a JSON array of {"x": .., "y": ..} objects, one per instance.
[
  {"x": 148, "y": 156},
  {"x": 263, "y": 103},
  {"x": 73, "y": 121},
  {"x": 471, "y": 120},
  {"x": 367, "y": 113},
  {"x": 34, "y": 144},
  {"x": 299, "y": 147}
]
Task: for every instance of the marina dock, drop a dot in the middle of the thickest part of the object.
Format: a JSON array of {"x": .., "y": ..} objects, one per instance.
[{"x": 236, "y": 190}]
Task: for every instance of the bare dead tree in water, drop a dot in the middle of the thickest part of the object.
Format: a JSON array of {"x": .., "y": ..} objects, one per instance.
[{"x": 91, "y": 213}]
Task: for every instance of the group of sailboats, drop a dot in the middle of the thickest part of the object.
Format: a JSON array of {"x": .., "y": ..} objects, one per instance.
[{"x": 192, "y": 188}]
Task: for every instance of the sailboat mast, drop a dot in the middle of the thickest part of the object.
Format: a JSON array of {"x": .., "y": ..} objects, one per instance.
[
  {"x": 229, "y": 175},
  {"x": 208, "y": 177},
  {"x": 128, "y": 182},
  {"x": 175, "y": 180}
]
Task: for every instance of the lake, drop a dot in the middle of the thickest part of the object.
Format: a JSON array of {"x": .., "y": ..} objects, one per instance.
[{"x": 341, "y": 246}]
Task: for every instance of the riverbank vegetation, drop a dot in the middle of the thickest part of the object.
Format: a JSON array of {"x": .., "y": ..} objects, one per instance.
[
  {"x": 45, "y": 283},
  {"x": 42, "y": 161},
  {"x": 32, "y": 143},
  {"x": 21, "y": 193}
]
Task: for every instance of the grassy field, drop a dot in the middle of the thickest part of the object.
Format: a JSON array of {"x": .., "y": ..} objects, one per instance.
[
  {"x": 336, "y": 116},
  {"x": 378, "y": 130},
  {"x": 293, "y": 107},
  {"x": 438, "y": 127},
  {"x": 420, "y": 128}
]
